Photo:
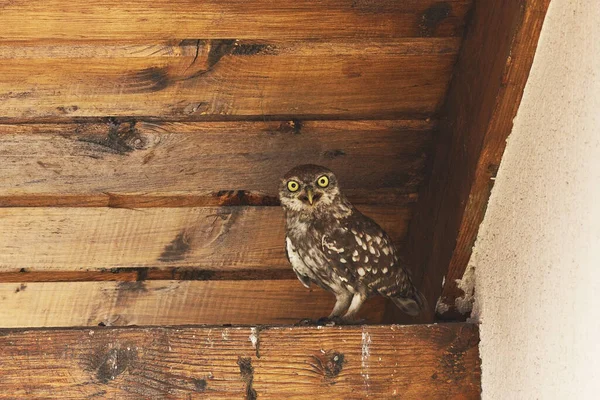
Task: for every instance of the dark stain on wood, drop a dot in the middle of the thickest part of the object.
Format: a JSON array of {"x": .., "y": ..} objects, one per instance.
[
  {"x": 331, "y": 154},
  {"x": 177, "y": 249},
  {"x": 189, "y": 42},
  {"x": 192, "y": 274},
  {"x": 244, "y": 198},
  {"x": 118, "y": 270},
  {"x": 292, "y": 126},
  {"x": 199, "y": 385},
  {"x": 218, "y": 49},
  {"x": 126, "y": 286},
  {"x": 432, "y": 17},
  {"x": 452, "y": 361},
  {"x": 142, "y": 274},
  {"x": 122, "y": 138},
  {"x": 329, "y": 364},
  {"x": 67, "y": 110},
  {"x": 155, "y": 79},
  {"x": 148, "y": 80},
  {"x": 247, "y": 374},
  {"x": 21, "y": 288},
  {"x": 252, "y": 49},
  {"x": 107, "y": 362}
]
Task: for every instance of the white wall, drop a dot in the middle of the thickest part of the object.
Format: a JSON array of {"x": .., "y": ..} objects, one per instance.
[{"x": 537, "y": 257}]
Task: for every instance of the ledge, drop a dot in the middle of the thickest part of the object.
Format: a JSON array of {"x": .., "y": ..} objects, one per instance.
[{"x": 410, "y": 362}]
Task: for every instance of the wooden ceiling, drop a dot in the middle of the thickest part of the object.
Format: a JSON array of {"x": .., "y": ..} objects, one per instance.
[
  {"x": 141, "y": 143},
  {"x": 144, "y": 140},
  {"x": 222, "y": 60}
]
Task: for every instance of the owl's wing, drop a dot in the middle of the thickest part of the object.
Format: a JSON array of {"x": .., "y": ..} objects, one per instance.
[
  {"x": 361, "y": 249},
  {"x": 364, "y": 257}
]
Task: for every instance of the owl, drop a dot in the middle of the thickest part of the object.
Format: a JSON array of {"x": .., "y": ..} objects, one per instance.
[{"x": 333, "y": 245}]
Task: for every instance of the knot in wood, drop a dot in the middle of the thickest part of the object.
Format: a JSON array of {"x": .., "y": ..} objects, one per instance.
[
  {"x": 109, "y": 361},
  {"x": 328, "y": 363}
]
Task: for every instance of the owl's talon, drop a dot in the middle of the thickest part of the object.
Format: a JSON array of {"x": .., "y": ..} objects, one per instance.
[
  {"x": 325, "y": 321},
  {"x": 306, "y": 322}
]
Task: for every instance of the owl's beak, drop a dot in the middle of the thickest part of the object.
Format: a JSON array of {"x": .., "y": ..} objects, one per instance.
[{"x": 310, "y": 195}]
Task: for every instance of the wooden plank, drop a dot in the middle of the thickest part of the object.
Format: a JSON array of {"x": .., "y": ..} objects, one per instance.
[
  {"x": 144, "y": 273},
  {"x": 66, "y": 304},
  {"x": 408, "y": 362},
  {"x": 148, "y": 164},
  {"x": 498, "y": 50},
  {"x": 211, "y": 238},
  {"x": 162, "y": 19},
  {"x": 227, "y": 78},
  {"x": 386, "y": 196}
]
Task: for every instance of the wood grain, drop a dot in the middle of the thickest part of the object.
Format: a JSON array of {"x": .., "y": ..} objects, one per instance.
[
  {"x": 71, "y": 304},
  {"x": 383, "y": 362},
  {"x": 211, "y": 238},
  {"x": 136, "y": 274},
  {"x": 128, "y": 163},
  {"x": 162, "y": 19},
  {"x": 483, "y": 99},
  {"x": 227, "y": 78}
]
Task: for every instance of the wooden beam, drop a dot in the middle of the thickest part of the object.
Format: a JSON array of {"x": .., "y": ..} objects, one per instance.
[
  {"x": 136, "y": 274},
  {"x": 72, "y": 304},
  {"x": 383, "y": 197},
  {"x": 483, "y": 99},
  {"x": 227, "y": 78},
  {"x": 263, "y": 19},
  {"x": 408, "y": 362},
  {"x": 129, "y": 163},
  {"x": 210, "y": 238}
]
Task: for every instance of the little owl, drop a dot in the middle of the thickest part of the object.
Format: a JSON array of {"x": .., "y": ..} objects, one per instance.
[{"x": 330, "y": 243}]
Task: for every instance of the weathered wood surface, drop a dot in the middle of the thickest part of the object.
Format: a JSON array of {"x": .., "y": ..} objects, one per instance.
[
  {"x": 135, "y": 274},
  {"x": 264, "y": 19},
  {"x": 72, "y": 304},
  {"x": 381, "y": 362},
  {"x": 125, "y": 163},
  {"x": 483, "y": 99},
  {"x": 204, "y": 237},
  {"x": 227, "y": 78}
]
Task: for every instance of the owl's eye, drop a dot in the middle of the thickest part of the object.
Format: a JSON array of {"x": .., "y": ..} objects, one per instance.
[
  {"x": 323, "y": 181},
  {"x": 293, "y": 186}
]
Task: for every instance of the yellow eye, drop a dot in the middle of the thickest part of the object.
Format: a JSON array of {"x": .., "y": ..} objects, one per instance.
[
  {"x": 293, "y": 186},
  {"x": 323, "y": 181}
]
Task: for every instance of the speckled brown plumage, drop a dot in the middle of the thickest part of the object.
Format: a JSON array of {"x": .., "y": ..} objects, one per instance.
[{"x": 332, "y": 244}]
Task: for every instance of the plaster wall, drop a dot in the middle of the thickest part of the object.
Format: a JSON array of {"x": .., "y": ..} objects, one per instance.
[{"x": 537, "y": 256}]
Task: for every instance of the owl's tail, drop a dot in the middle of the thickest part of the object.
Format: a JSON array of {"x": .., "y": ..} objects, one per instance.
[{"x": 412, "y": 305}]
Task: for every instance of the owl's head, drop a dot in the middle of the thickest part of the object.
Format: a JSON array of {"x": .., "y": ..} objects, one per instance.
[{"x": 308, "y": 188}]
